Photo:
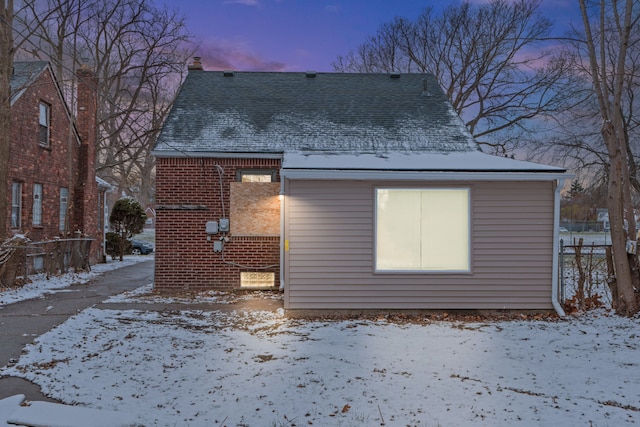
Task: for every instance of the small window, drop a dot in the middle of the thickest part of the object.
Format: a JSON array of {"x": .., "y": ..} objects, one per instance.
[
  {"x": 37, "y": 205},
  {"x": 38, "y": 263},
  {"x": 16, "y": 205},
  {"x": 64, "y": 205},
  {"x": 256, "y": 175},
  {"x": 44, "y": 120},
  {"x": 422, "y": 230}
]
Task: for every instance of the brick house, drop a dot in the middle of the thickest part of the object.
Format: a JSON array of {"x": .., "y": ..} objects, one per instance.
[
  {"x": 348, "y": 192},
  {"x": 53, "y": 189}
]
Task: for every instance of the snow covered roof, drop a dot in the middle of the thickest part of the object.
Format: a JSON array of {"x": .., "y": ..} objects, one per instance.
[
  {"x": 24, "y": 74},
  {"x": 461, "y": 165},
  {"x": 104, "y": 184},
  {"x": 468, "y": 161},
  {"x": 270, "y": 113}
]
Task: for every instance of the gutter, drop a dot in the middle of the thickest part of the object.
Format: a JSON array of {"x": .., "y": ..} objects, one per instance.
[
  {"x": 389, "y": 175},
  {"x": 556, "y": 248}
]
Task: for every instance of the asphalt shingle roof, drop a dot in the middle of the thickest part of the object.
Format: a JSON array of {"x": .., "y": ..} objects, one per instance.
[
  {"x": 24, "y": 74},
  {"x": 269, "y": 112}
]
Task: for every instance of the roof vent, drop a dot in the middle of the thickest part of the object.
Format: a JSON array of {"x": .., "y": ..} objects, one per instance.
[
  {"x": 394, "y": 75},
  {"x": 227, "y": 73},
  {"x": 425, "y": 88},
  {"x": 311, "y": 74}
]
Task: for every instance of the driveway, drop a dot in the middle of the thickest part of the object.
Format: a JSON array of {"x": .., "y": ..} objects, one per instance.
[{"x": 22, "y": 322}]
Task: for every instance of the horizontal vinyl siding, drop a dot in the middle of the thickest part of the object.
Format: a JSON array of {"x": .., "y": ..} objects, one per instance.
[{"x": 330, "y": 262}]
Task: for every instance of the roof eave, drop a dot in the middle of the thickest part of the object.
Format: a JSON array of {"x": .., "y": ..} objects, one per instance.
[
  {"x": 395, "y": 175},
  {"x": 215, "y": 154}
]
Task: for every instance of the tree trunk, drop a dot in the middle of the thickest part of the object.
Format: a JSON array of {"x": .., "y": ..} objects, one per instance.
[
  {"x": 6, "y": 70},
  {"x": 626, "y": 302}
]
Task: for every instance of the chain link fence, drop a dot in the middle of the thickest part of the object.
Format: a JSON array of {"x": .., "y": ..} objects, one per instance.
[{"x": 586, "y": 270}]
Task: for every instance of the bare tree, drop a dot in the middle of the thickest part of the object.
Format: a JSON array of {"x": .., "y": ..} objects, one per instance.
[
  {"x": 132, "y": 44},
  {"x": 488, "y": 59},
  {"x": 607, "y": 42},
  {"x": 6, "y": 70}
]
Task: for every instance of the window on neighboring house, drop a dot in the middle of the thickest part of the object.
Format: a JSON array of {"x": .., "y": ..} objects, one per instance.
[
  {"x": 44, "y": 119},
  {"x": 256, "y": 175},
  {"x": 422, "y": 229},
  {"x": 16, "y": 205},
  {"x": 64, "y": 205},
  {"x": 38, "y": 263},
  {"x": 37, "y": 205}
]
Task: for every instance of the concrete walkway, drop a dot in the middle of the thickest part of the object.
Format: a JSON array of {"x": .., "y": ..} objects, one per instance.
[{"x": 22, "y": 322}]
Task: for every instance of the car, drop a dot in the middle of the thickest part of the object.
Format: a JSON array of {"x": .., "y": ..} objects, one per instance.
[
  {"x": 140, "y": 247},
  {"x": 563, "y": 230}
]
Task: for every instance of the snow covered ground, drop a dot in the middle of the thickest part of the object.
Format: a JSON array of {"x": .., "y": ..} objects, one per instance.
[
  {"x": 40, "y": 285},
  {"x": 220, "y": 368}
]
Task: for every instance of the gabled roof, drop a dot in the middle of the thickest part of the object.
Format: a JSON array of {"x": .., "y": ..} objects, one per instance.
[
  {"x": 268, "y": 112},
  {"x": 24, "y": 74}
]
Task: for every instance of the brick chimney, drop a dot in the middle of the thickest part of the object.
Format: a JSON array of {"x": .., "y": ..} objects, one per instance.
[
  {"x": 86, "y": 188},
  {"x": 196, "y": 65}
]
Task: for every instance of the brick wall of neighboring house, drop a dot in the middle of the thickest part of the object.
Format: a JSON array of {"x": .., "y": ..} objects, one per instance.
[
  {"x": 187, "y": 196},
  {"x": 30, "y": 162},
  {"x": 86, "y": 195},
  {"x": 64, "y": 163}
]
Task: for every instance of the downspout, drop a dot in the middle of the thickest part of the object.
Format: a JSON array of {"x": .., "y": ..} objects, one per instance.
[
  {"x": 104, "y": 224},
  {"x": 556, "y": 248},
  {"x": 282, "y": 241}
]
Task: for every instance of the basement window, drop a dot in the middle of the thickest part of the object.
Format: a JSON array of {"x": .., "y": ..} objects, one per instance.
[
  {"x": 257, "y": 280},
  {"x": 38, "y": 263}
]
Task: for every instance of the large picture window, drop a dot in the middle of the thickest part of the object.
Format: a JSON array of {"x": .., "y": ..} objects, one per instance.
[{"x": 422, "y": 229}]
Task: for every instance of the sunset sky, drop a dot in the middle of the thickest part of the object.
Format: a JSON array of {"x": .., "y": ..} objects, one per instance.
[{"x": 302, "y": 35}]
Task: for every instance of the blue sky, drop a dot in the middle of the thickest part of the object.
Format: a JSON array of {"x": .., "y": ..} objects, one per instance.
[{"x": 301, "y": 35}]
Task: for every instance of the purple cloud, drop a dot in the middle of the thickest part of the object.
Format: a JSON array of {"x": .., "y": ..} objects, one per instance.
[{"x": 225, "y": 55}]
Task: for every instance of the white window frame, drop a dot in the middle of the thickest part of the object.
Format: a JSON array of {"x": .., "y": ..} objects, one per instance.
[
  {"x": 44, "y": 121},
  {"x": 16, "y": 205},
  {"x": 37, "y": 205},
  {"x": 428, "y": 230},
  {"x": 64, "y": 205}
]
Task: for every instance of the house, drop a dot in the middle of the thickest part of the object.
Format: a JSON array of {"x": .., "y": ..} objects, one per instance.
[
  {"x": 53, "y": 189},
  {"x": 349, "y": 192}
]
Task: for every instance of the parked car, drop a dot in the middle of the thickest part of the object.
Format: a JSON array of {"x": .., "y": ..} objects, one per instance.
[
  {"x": 563, "y": 230},
  {"x": 140, "y": 247}
]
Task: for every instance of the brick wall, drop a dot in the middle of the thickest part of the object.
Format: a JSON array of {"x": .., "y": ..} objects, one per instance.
[
  {"x": 86, "y": 200},
  {"x": 29, "y": 162},
  {"x": 65, "y": 163},
  {"x": 187, "y": 196}
]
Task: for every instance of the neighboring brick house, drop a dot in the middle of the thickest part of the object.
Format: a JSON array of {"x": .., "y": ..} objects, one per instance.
[
  {"x": 347, "y": 191},
  {"x": 53, "y": 189}
]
